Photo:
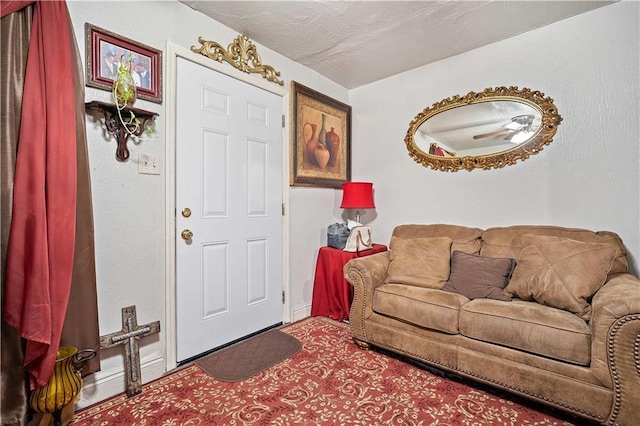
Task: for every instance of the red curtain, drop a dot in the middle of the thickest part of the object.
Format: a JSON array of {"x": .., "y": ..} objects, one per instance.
[
  {"x": 10, "y": 6},
  {"x": 41, "y": 240}
]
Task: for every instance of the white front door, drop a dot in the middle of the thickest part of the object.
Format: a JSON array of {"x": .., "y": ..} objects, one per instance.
[{"x": 229, "y": 273}]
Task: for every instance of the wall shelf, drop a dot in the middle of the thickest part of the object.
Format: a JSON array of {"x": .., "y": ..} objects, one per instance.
[{"x": 116, "y": 128}]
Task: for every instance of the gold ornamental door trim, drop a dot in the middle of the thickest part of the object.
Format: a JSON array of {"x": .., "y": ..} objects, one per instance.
[{"x": 238, "y": 54}]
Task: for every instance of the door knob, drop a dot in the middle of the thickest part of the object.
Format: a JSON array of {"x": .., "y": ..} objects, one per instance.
[{"x": 186, "y": 234}]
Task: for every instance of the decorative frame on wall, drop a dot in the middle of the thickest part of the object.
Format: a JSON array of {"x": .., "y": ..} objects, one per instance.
[
  {"x": 538, "y": 126},
  {"x": 320, "y": 139},
  {"x": 103, "y": 51}
]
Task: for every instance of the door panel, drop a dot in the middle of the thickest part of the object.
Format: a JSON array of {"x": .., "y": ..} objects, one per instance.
[{"x": 229, "y": 174}]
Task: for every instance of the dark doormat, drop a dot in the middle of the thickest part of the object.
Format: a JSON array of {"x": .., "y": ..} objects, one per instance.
[{"x": 249, "y": 357}]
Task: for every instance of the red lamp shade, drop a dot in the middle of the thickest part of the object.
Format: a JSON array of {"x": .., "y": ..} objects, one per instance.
[{"x": 357, "y": 195}]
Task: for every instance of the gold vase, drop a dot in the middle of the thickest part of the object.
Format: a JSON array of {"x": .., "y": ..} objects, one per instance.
[
  {"x": 63, "y": 386},
  {"x": 124, "y": 88}
]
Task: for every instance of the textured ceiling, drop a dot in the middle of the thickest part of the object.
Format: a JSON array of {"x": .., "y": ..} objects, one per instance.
[{"x": 358, "y": 42}]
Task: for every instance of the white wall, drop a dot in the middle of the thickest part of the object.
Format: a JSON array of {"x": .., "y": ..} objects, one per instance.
[
  {"x": 129, "y": 208},
  {"x": 588, "y": 177}
]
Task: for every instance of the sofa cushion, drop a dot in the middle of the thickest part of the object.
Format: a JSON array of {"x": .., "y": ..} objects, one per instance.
[
  {"x": 528, "y": 326},
  {"x": 560, "y": 272},
  {"x": 464, "y": 239},
  {"x": 424, "y": 307},
  {"x": 478, "y": 276},
  {"x": 507, "y": 241},
  {"x": 422, "y": 262}
]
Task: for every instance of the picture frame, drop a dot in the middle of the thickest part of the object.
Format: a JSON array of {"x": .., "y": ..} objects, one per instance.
[
  {"x": 314, "y": 163},
  {"x": 103, "y": 52}
]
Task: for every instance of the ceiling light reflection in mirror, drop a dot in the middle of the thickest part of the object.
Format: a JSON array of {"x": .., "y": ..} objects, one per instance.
[{"x": 479, "y": 129}]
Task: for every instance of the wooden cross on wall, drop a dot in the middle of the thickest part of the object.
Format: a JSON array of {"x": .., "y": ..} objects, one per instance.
[{"x": 128, "y": 337}]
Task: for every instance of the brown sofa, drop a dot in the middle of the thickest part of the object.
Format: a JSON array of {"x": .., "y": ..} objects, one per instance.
[{"x": 565, "y": 331}]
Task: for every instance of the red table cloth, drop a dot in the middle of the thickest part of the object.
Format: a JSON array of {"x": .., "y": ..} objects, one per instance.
[{"x": 332, "y": 294}]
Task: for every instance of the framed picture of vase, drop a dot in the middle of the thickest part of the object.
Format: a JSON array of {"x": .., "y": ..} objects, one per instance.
[
  {"x": 320, "y": 139},
  {"x": 106, "y": 50}
]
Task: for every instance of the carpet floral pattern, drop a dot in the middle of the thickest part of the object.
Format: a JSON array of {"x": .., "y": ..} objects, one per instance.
[{"x": 329, "y": 382}]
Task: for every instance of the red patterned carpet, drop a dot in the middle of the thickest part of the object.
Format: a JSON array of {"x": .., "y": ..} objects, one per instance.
[{"x": 329, "y": 382}]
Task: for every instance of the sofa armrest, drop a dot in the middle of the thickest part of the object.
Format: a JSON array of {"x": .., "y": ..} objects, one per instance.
[
  {"x": 364, "y": 274},
  {"x": 615, "y": 347}
]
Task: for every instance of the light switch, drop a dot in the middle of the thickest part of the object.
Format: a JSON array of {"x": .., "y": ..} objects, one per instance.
[{"x": 148, "y": 164}]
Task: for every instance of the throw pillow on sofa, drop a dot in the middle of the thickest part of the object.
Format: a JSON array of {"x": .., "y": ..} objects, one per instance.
[
  {"x": 422, "y": 262},
  {"x": 560, "y": 272},
  {"x": 479, "y": 277}
]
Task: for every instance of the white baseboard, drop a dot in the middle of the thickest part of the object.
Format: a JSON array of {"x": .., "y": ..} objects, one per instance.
[
  {"x": 301, "y": 313},
  {"x": 105, "y": 384}
]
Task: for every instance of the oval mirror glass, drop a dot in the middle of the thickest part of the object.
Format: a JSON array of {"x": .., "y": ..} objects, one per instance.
[{"x": 485, "y": 130}]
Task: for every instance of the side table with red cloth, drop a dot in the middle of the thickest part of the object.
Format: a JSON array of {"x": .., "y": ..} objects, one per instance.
[{"x": 332, "y": 294}]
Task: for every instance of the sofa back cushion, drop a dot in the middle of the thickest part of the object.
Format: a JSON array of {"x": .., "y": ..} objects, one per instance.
[
  {"x": 507, "y": 241},
  {"x": 464, "y": 239}
]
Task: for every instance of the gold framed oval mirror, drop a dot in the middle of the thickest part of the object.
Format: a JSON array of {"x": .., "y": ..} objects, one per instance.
[{"x": 490, "y": 129}]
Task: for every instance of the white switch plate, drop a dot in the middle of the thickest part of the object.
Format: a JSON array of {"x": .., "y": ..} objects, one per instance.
[{"x": 148, "y": 164}]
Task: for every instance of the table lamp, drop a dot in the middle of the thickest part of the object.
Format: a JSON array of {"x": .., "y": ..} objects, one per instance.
[{"x": 357, "y": 195}]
